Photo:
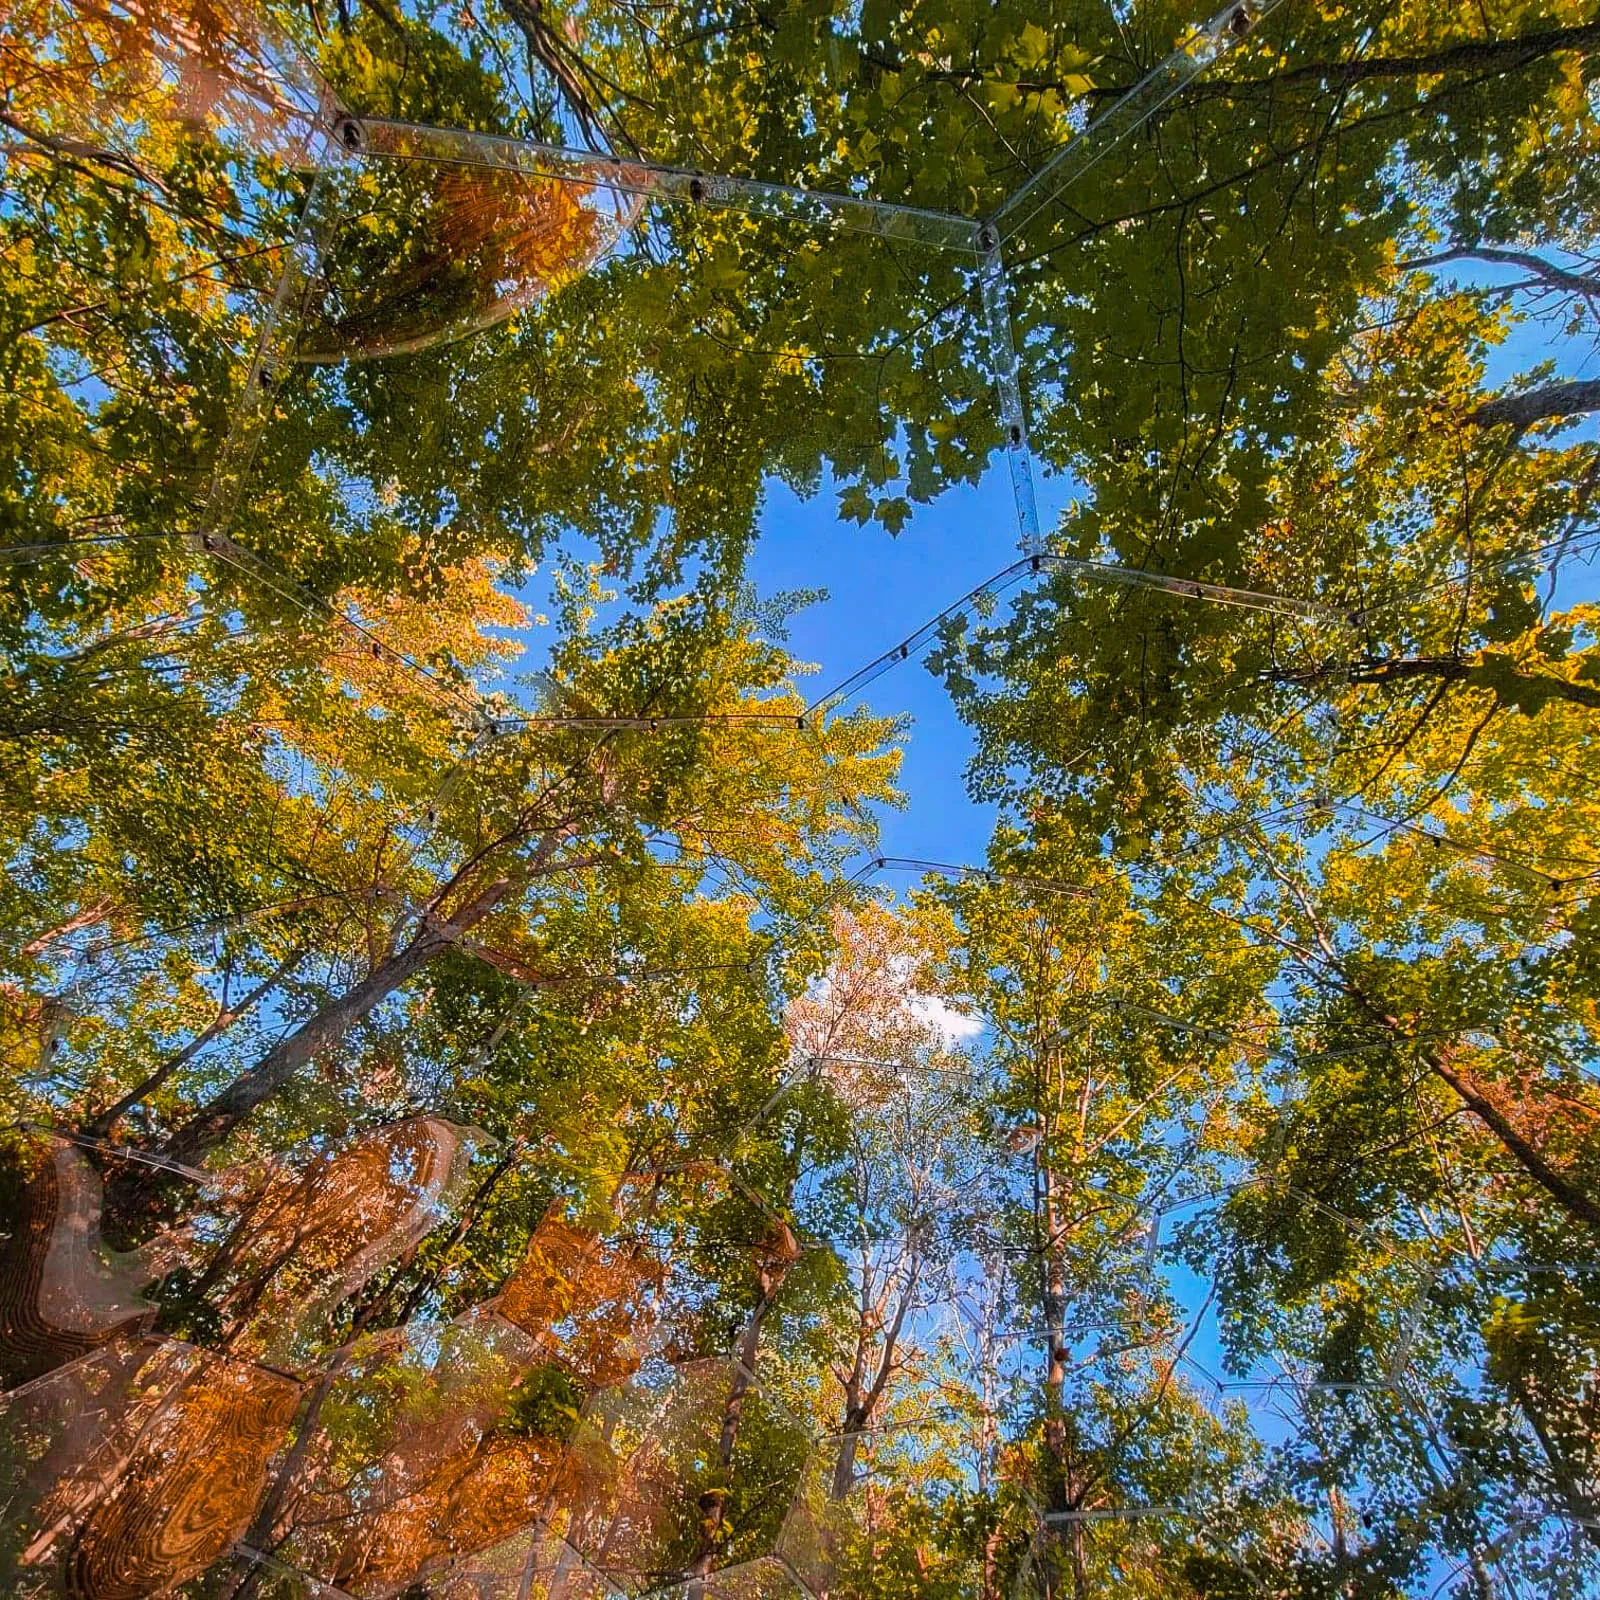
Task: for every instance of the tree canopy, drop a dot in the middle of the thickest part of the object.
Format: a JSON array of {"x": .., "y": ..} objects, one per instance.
[{"x": 478, "y": 1118}]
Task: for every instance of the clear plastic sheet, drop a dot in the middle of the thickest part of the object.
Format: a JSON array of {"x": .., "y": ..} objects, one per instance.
[{"x": 136, "y": 1468}]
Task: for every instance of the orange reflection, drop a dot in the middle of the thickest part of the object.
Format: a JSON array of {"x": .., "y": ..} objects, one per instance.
[
  {"x": 470, "y": 246},
  {"x": 169, "y": 1482},
  {"x": 126, "y": 70},
  {"x": 585, "y": 1299},
  {"x": 61, "y": 1293},
  {"x": 312, "y": 1238}
]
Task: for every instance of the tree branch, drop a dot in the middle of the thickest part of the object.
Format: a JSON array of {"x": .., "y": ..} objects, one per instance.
[
  {"x": 1574, "y": 398},
  {"x": 1493, "y": 672}
]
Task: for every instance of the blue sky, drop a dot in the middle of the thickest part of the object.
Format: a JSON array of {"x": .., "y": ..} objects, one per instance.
[{"x": 880, "y": 589}]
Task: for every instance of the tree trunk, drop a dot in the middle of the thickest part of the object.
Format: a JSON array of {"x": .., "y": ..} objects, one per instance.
[
  {"x": 1581, "y": 1510},
  {"x": 263, "y": 1533},
  {"x": 1569, "y": 1196},
  {"x": 1490, "y": 57},
  {"x": 214, "y": 1122},
  {"x": 1572, "y": 399},
  {"x": 844, "y": 1468},
  {"x": 86, "y": 917},
  {"x": 1061, "y": 1489},
  {"x": 1454, "y": 669},
  {"x": 713, "y": 1502},
  {"x": 1412, "y": 1414},
  {"x": 103, "y": 1124},
  {"x": 861, "y": 1398},
  {"x": 1572, "y": 1199},
  {"x": 1476, "y": 56},
  {"x": 1547, "y": 272},
  {"x": 991, "y": 1563}
]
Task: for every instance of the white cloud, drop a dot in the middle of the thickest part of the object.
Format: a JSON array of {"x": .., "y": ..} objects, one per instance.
[{"x": 953, "y": 1025}]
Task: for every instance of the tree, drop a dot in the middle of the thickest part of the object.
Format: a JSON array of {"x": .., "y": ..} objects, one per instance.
[
  {"x": 896, "y": 1200},
  {"x": 1106, "y": 1113}
]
